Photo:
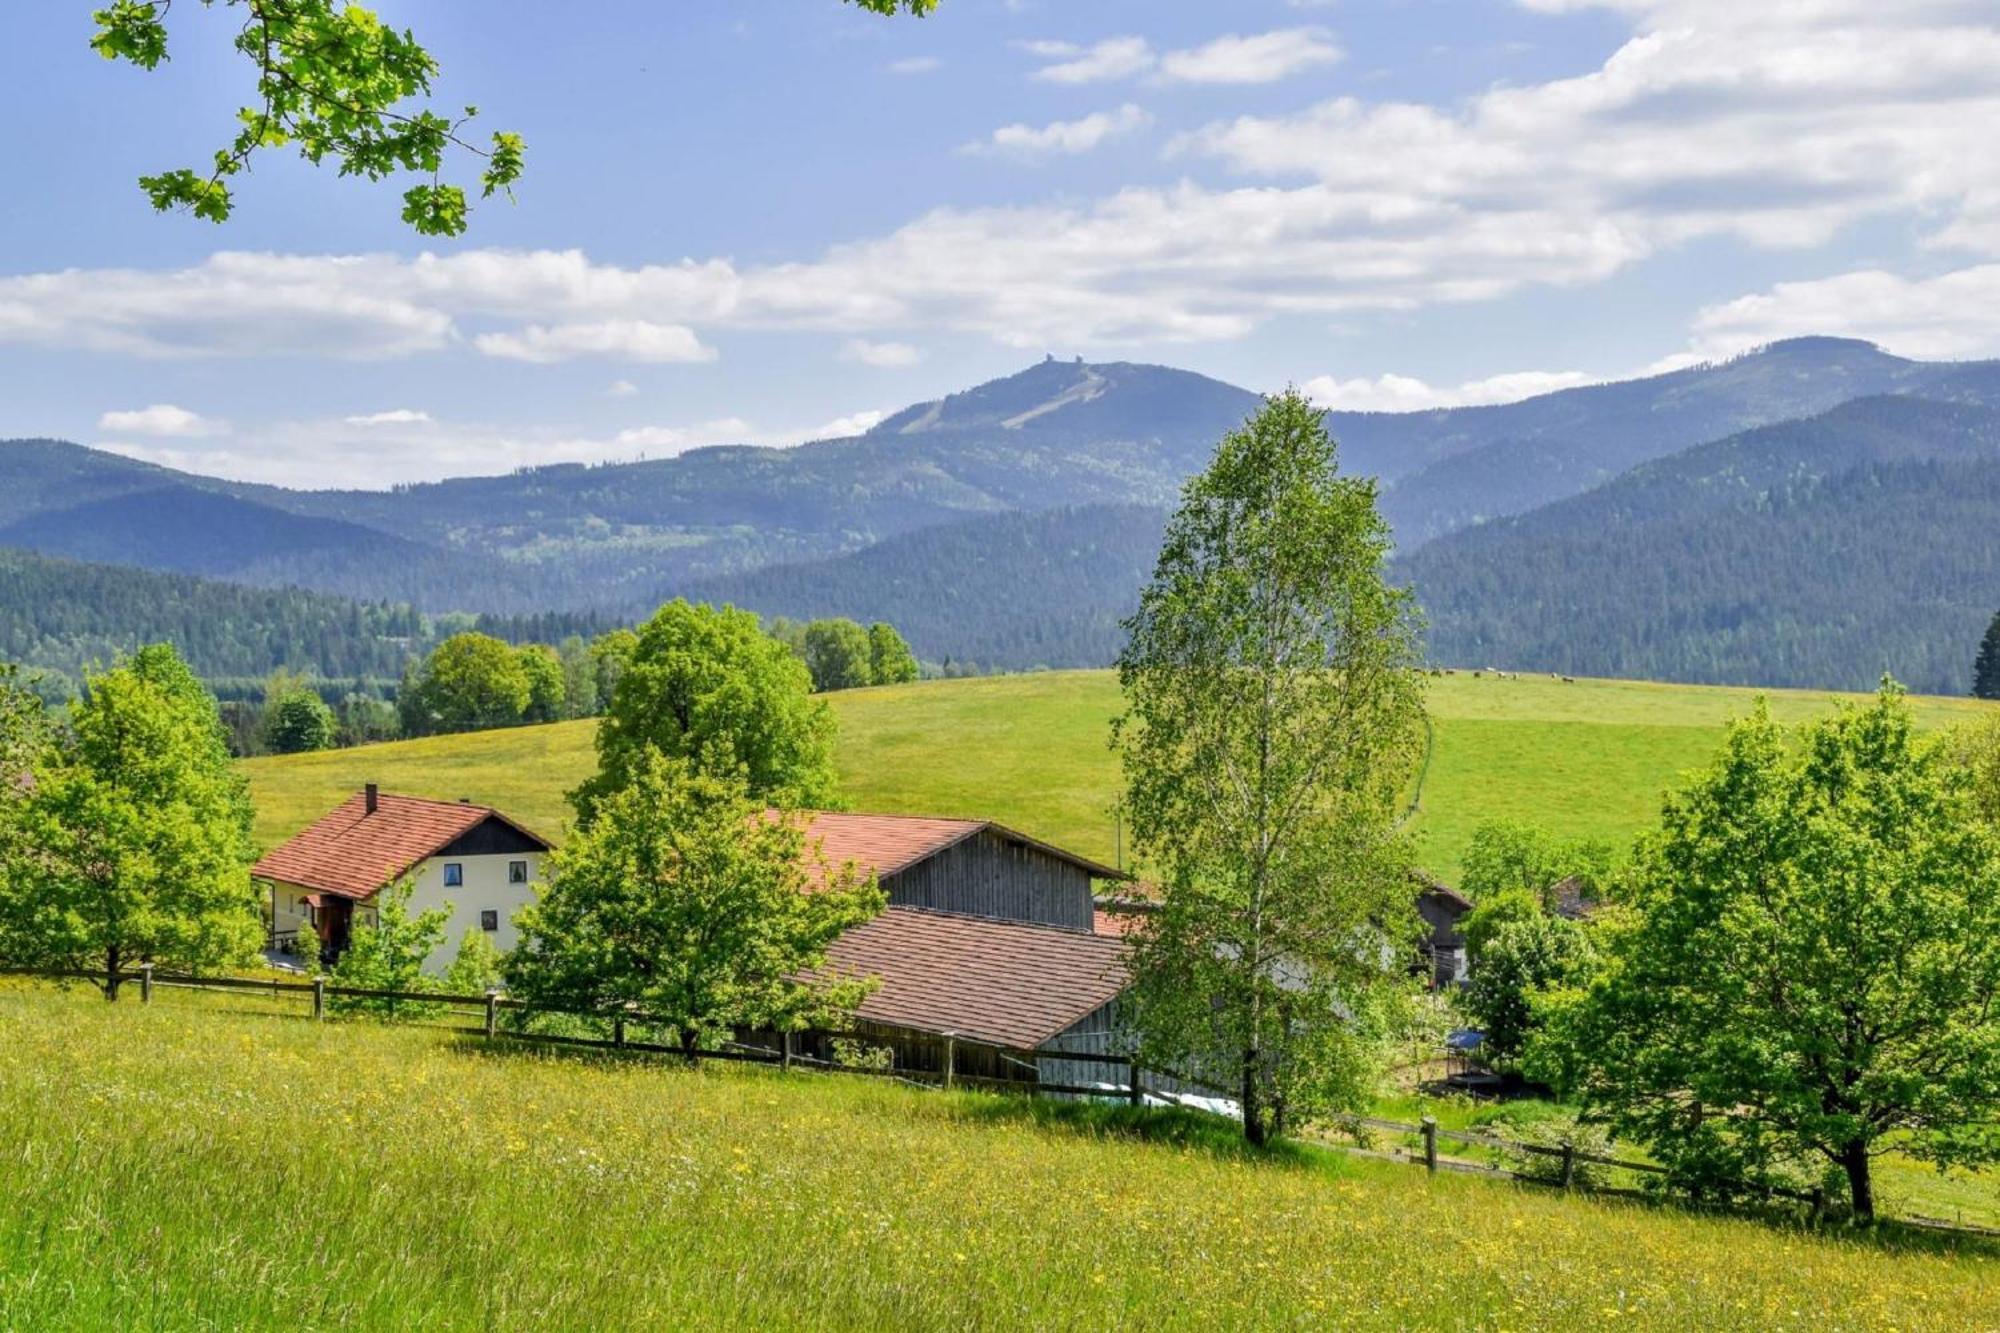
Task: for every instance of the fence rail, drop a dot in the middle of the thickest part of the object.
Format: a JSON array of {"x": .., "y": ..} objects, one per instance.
[{"x": 793, "y": 1048}]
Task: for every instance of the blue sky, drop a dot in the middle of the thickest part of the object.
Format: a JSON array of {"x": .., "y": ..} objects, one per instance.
[{"x": 771, "y": 219}]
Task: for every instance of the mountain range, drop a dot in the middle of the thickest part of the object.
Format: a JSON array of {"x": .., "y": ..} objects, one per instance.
[{"x": 1811, "y": 514}]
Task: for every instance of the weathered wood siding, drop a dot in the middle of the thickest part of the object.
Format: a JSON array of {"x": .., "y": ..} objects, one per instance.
[
  {"x": 988, "y": 874},
  {"x": 1096, "y": 1033}
]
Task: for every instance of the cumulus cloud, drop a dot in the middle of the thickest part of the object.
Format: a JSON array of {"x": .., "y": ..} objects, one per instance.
[
  {"x": 882, "y": 355},
  {"x": 1264, "y": 58},
  {"x": 164, "y": 420},
  {"x": 854, "y": 423},
  {"x": 1112, "y": 58},
  {"x": 622, "y": 388},
  {"x": 1402, "y": 393},
  {"x": 617, "y": 339},
  {"x": 1955, "y": 314},
  {"x": 395, "y": 416},
  {"x": 914, "y": 65},
  {"x": 1063, "y": 136}
]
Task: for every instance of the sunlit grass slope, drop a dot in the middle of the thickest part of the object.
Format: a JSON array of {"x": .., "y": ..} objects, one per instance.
[
  {"x": 189, "y": 1165},
  {"x": 1588, "y": 758}
]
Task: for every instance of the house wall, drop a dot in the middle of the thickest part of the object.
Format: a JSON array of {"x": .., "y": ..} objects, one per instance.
[
  {"x": 485, "y": 887},
  {"x": 990, "y": 875},
  {"x": 287, "y": 908}
]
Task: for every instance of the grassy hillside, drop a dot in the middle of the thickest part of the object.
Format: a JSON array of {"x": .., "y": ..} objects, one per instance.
[
  {"x": 1589, "y": 758},
  {"x": 193, "y": 1165}
]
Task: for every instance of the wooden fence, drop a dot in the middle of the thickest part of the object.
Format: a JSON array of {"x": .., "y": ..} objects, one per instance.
[{"x": 919, "y": 1058}]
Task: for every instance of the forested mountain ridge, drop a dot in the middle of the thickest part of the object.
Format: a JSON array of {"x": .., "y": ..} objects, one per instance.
[{"x": 1814, "y": 553}]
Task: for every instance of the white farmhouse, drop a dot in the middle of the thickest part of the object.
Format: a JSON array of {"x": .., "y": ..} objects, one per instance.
[{"x": 471, "y": 857}]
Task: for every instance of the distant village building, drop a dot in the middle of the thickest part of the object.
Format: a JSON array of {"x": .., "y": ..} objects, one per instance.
[
  {"x": 1442, "y": 909},
  {"x": 324, "y": 881}
]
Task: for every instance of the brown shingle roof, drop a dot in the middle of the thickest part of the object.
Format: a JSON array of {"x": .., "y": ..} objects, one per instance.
[
  {"x": 1005, "y": 982},
  {"x": 886, "y": 844},
  {"x": 353, "y": 853}
]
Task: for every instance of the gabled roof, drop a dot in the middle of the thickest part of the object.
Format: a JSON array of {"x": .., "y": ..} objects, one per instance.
[
  {"x": 887, "y": 844},
  {"x": 1008, "y": 983},
  {"x": 353, "y": 853}
]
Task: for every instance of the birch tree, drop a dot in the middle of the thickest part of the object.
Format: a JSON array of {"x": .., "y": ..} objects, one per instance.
[{"x": 1273, "y": 711}]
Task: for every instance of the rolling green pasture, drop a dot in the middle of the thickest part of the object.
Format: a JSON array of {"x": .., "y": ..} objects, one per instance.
[
  {"x": 1589, "y": 758},
  {"x": 198, "y": 1164}
]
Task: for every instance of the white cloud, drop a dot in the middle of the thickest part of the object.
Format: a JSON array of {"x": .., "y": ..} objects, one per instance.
[
  {"x": 622, "y": 389},
  {"x": 667, "y": 440},
  {"x": 1112, "y": 58},
  {"x": 396, "y": 416},
  {"x": 1954, "y": 314},
  {"x": 618, "y": 339},
  {"x": 1063, "y": 136},
  {"x": 1264, "y": 58},
  {"x": 914, "y": 65},
  {"x": 162, "y": 419},
  {"x": 882, "y": 355},
  {"x": 854, "y": 423},
  {"x": 1401, "y": 393}
]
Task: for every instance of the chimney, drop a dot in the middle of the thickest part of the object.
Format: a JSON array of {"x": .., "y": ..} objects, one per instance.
[{"x": 370, "y": 795}]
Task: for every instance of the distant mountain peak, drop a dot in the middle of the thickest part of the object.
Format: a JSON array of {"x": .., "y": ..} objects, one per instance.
[{"x": 1122, "y": 396}]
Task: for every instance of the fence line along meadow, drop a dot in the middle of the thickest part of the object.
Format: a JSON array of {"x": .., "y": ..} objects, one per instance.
[{"x": 925, "y": 1061}]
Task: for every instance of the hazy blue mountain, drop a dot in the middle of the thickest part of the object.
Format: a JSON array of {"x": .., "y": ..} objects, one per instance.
[
  {"x": 1007, "y": 591},
  {"x": 1817, "y": 553}
]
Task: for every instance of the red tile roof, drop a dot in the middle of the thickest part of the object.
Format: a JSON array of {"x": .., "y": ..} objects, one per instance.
[
  {"x": 1009, "y": 983},
  {"x": 886, "y": 844},
  {"x": 353, "y": 853}
]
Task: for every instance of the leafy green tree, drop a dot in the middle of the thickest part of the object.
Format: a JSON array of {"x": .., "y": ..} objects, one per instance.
[
  {"x": 610, "y": 654},
  {"x": 1273, "y": 711},
  {"x": 134, "y": 842},
  {"x": 579, "y": 673},
  {"x": 296, "y": 719},
  {"x": 711, "y": 687},
  {"x": 1509, "y": 854},
  {"x": 890, "y": 661},
  {"x": 1494, "y": 913},
  {"x": 837, "y": 653},
  {"x": 332, "y": 79},
  {"x": 544, "y": 672},
  {"x": 1986, "y": 667},
  {"x": 791, "y": 633},
  {"x": 1521, "y": 960},
  {"x": 477, "y": 967},
  {"x": 389, "y": 953},
  {"x": 1813, "y": 969},
  {"x": 469, "y": 681},
  {"x": 685, "y": 899},
  {"x": 364, "y": 719}
]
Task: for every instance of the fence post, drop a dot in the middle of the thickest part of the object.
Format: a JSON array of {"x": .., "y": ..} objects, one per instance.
[
  {"x": 785, "y": 1050},
  {"x": 1430, "y": 1126},
  {"x": 1138, "y": 1090},
  {"x": 1569, "y": 1164},
  {"x": 319, "y": 997},
  {"x": 492, "y": 1013},
  {"x": 950, "y": 1058},
  {"x": 145, "y": 983}
]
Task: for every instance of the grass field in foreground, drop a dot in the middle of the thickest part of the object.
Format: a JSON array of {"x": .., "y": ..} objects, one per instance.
[
  {"x": 1589, "y": 758},
  {"x": 189, "y": 1165}
]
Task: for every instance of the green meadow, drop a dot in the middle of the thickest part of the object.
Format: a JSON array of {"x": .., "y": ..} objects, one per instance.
[
  {"x": 1590, "y": 758},
  {"x": 204, "y": 1162}
]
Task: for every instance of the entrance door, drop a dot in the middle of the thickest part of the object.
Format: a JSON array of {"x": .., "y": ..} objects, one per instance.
[{"x": 336, "y": 923}]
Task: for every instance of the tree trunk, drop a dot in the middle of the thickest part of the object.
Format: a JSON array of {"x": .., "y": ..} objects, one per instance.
[
  {"x": 1860, "y": 1184},
  {"x": 111, "y": 960},
  {"x": 1253, "y": 1113}
]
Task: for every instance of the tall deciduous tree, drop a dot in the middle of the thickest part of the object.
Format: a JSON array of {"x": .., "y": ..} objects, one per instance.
[
  {"x": 837, "y": 654},
  {"x": 685, "y": 898},
  {"x": 1814, "y": 966},
  {"x": 340, "y": 85},
  {"x": 1986, "y": 667},
  {"x": 295, "y": 719},
  {"x": 136, "y": 833},
  {"x": 1273, "y": 709},
  {"x": 709, "y": 686},
  {"x": 470, "y": 680},
  {"x": 890, "y": 661},
  {"x": 543, "y": 670}
]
